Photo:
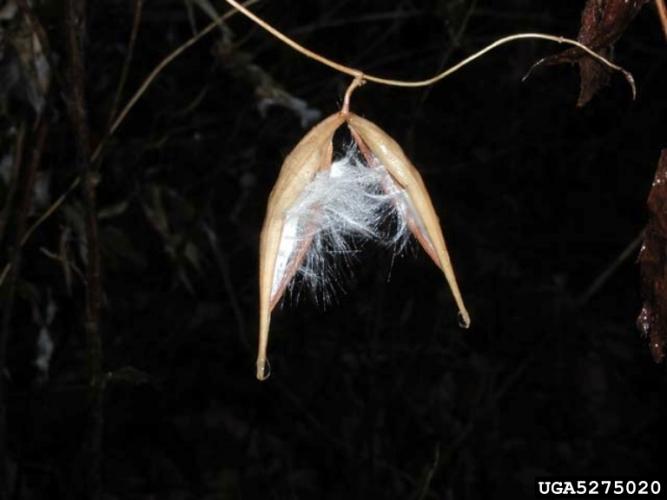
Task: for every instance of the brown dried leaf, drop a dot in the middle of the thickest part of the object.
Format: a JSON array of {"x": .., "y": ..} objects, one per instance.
[
  {"x": 603, "y": 22},
  {"x": 652, "y": 320}
]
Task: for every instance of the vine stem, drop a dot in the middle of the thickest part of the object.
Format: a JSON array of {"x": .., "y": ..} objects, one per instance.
[
  {"x": 662, "y": 15},
  {"x": 357, "y": 82},
  {"x": 136, "y": 20},
  {"x": 156, "y": 71},
  {"x": 27, "y": 179},
  {"x": 116, "y": 123},
  {"x": 92, "y": 450},
  {"x": 356, "y": 73}
]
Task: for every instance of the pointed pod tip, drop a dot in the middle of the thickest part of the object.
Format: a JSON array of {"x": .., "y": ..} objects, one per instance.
[
  {"x": 464, "y": 319},
  {"x": 263, "y": 369}
]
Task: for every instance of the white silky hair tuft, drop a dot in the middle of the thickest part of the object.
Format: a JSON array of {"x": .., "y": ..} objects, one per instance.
[{"x": 342, "y": 208}]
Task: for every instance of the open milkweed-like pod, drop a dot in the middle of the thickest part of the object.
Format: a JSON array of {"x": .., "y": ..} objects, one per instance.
[
  {"x": 287, "y": 238},
  {"x": 415, "y": 202},
  {"x": 313, "y": 153}
]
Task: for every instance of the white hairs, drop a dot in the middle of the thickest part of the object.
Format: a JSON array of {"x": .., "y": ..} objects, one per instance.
[{"x": 342, "y": 208}]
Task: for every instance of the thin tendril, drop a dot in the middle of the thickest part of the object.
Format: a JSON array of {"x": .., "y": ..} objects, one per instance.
[
  {"x": 429, "y": 81},
  {"x": 358, "y": 81}
]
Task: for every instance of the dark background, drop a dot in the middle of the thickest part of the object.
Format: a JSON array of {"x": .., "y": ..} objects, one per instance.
[{"x": 380, "y": 394}]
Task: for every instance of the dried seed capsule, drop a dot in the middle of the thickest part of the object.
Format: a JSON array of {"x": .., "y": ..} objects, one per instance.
[
  {"x": 417, "y": 208},
  {"x": 314, "y": 152},
  {"x": 300, "y": 203}
]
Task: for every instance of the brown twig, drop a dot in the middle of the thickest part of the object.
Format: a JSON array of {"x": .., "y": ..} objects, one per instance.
[
  {"x": 136, "y": 20},
  {"x": 48, "y": 213},
  {"x": 426, "y": 487},
  {"x": 662, "y": 15},
  {"x": 118, "y": 120},
  {"x": 609, "y": 271},
  {"x": 156, "y": 71},
  {"x": 28, "y": 181},
  {"x": 455, "y": 38},
  {"x": 13, "y": 180},
  {"x": 223, "y": 265},
  {"x": 76, "y": 28}
]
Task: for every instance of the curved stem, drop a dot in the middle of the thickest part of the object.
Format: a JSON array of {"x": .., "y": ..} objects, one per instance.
[
  {"x": 156, "y": 71},
  {"x": 429, "y": 81},
  {"x": 357, "y": 82},
  {"x": 662, "y": 15},
  {"x": 114, "y": 126}
]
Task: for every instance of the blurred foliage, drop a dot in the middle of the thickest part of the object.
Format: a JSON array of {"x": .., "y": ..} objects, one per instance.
[{"x": 381, "y": 395}]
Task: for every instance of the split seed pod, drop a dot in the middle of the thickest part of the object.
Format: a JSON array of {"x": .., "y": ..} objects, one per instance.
[
  {"x": 313, "y": 153},
  {"x": 283, "y": 249},
  {"x": 418, "y": 208}
]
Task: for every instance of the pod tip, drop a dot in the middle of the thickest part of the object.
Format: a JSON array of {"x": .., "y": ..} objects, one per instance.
[
  {"x": 464, "y": 319},
  {"x": 263, "y": 369}
]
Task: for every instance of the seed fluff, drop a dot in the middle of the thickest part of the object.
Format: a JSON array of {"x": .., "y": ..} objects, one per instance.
[{"x": 340, "y": 210}]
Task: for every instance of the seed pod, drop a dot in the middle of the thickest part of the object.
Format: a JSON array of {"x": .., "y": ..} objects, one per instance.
[
  {"x": 314, "y": 152},
  {"x": 288, "y": 231},
  {"x": 418, "y": 208}
]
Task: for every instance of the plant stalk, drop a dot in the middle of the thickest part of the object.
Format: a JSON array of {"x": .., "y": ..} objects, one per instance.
[
  {"x": 92, "y": 447},
  {"x": 27, "y": 179}
]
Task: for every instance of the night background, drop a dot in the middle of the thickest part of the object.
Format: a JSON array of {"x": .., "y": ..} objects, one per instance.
[{"x": 379, "y": 394}]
